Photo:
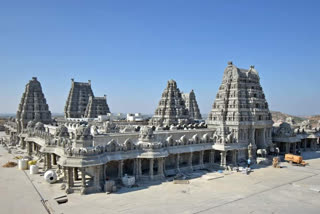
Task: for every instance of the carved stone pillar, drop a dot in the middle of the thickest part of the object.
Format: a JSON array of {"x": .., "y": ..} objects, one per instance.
[
  {"x": 120, "y": 169},
  {"x": 201, "y": 158},
  {"x": 83, "y": 181},
  {"x": 264, "y": 137},
  {"x": 287, "y": 148},
  {"x": 190, "y": 161},
  {"x": 212, "y": 153},
  {"x": 34, "y": 148},
  {"x": 134, "y": 167},
  {"x": 139, "y": 168},
  {"x": 151, "y": 168},
  {"x": 96, "y": 178},
  {"x": 70, "y": 178},
  {"x": 252, "y": 137},
  {"x": 178, "y": 163},
  {"x": 234, "y": 157},
  {"x": 75, "y": 174},
  {"x": 223, "y": 155},
  {"x": 160, "y": 167},
  {"x": 305, "y": 144},
  {"x": 22, "y": 143},
  {"x": 294, "y": 148},
  {"x": 29, "y": 148},
  {"x": 64, "y": 171},
  {"x": 54, "y": 159},
  {"x": 48, "y": 160},
  {"x": 83, "y": 177}
]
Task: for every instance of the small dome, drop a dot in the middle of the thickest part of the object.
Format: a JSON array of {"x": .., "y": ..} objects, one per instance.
[
  {"x": 83, "y": 131},
  {"x": 31, "y": 124},
  {"x": 62, "y": 131},
  {"x": 39, "y": 126}
]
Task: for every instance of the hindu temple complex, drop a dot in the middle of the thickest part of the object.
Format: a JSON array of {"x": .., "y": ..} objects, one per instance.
[{"x": 87, "y": 152}]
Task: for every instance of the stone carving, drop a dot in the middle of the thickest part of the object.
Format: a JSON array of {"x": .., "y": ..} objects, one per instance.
[
  {"x": 39, "y": 126},
  {"x": 262, "y": 153},
  {"x": 146, "y": 134},
  {"x": 62, "y": 131},
  {"x": 83, "y": 132},
  {"x": 284, "y": 130},
  {"x": 290, "y": 120},
  {"x": 250, "y": 151},
  {"x": 230, "y": 137},
  {"x": 31, "y": 125},
  {"x": 306, "y": 125}
]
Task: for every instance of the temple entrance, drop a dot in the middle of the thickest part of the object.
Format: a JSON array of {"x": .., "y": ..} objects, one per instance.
[
  {"x": 128, "y": 167},
  {"x": 145, "y": 166},
  {"x": 170, "y": 162},
  {"x": 206, "y": 156},
  {"x": 155, "y": 166},
  {"x": 184, "y": 160},
  {"x": 229, "y": 157},
  {"x": 112, "y": 168},
  {"x": 217, "y": 156},
  {"x": 195, "y": 158},
  {"x": 259, "y": 138}
]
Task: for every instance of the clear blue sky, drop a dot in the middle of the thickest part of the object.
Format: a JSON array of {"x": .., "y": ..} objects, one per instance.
[{"x": 129, "y": 49}]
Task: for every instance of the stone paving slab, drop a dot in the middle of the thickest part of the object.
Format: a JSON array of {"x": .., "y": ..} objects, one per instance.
[
  {"x": 265, "y": 190},
  {"x": 17, "y": 194}
]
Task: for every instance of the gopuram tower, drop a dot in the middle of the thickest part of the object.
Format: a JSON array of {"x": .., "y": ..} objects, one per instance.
[
  {"x": 78, "y": 99},
  {"x": 33, "y": 106},
  {"x": 171, "y": 109},
  {"x": 192, "y": 105},
  {"x": 240, "y": 113},
  {"x": 97, "y": 106}
]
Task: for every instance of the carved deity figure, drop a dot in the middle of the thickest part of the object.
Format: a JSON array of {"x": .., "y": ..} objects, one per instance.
[{"x": 146, "y": 133}]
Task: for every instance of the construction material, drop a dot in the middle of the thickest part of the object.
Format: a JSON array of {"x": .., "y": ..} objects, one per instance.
[
  {"x": 128, "y": 181},
  {"x": 17, "y": 157},
  {"x": 50, "y": 176},
  {"x": 275, "y": 162},
  {"x": 9, "y": 165},
  {"x": 181, "y": 181},
  {"x": 23, "y": 164},
  {"x": 295, "y": 159},
  {"x": 62, "y": 199},
  {"x": 32, "y": 162},
  {"x": 34, "y": 169}
]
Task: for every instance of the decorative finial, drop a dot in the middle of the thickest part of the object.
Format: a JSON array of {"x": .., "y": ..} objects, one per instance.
[
  {"x": 89, "y": 81},
  {"x": 230, "y": 63},
  {"x": 72, "y": 80},
  {"x": 105, "y": 96},
  {"x": 252, "y": 66},
  {"x": 34, "y": 78}
]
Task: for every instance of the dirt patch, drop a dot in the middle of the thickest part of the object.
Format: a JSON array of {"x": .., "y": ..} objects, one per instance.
[{"x": 9, "y": 165}]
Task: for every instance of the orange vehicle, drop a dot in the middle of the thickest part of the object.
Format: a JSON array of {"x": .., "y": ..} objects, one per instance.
[{"x": 295, "y": 159}]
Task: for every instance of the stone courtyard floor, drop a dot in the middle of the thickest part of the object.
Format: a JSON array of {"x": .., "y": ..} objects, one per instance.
[{"x": 291, "y": 189}]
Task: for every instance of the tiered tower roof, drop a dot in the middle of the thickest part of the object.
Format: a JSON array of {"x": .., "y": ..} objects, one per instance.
[
  {"x": 97, "y": 106},
  {"x": 33, "y": 106},
  {"x": 78, "y": 99},
  {"x": 240, "y": 104},
  {"x": 192, "y": 105},
  {"x": 172, "y": 109}
]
